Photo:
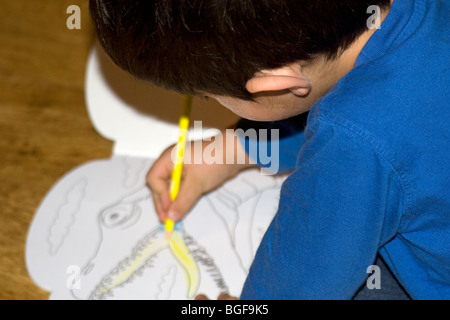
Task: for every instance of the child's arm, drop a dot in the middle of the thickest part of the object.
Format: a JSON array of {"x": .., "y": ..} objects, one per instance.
[
  {"x": 197, "y": 179},
  {"x": 343, "y": 202}
]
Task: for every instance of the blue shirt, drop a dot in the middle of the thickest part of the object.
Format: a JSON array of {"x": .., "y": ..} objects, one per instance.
[{"x": 373, "y": 174}]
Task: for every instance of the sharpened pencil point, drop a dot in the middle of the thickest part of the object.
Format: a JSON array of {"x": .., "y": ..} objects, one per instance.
[{"x": 168, "y": 236}]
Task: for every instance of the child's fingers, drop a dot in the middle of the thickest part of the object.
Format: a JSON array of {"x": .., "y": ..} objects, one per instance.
[
  {"x": 188, "y": 195},
  {"x": 159, "y": 207},
  {"x": 226, "y": 296},
  {"x": 159, "y": 188},
  {"x": 158, "y": 179},
  {"x": 222, "y": 296}
]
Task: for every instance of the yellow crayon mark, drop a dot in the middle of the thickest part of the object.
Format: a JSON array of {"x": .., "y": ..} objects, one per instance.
[
  {"x": 184, "y": 257},
  {"x": 179, "y": 250},
  {"x": 149, "y": 250}
]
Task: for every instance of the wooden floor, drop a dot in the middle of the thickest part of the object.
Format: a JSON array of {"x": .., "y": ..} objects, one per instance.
[{"x": 44, "y": 127}]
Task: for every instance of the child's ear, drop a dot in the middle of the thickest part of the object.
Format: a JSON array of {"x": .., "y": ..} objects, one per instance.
[{"x": 287, "y": 78}]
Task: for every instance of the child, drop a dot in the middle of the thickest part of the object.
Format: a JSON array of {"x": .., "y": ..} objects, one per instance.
[{"x": 370, "y": 172}]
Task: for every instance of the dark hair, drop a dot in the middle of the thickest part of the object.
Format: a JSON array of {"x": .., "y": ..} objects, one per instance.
[{"x": 216, "y": 46}]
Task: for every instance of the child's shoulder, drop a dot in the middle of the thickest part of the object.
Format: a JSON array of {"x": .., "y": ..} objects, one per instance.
[{"x": 400, "y": 70}]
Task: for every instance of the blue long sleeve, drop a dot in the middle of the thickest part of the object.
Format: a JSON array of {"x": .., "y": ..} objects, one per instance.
[
  {"x": 373, "y": 175},
  {"x": 331, "y": 220}
]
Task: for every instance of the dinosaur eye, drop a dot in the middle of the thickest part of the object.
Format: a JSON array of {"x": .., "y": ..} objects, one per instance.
[{"x": 118, "y": 215}]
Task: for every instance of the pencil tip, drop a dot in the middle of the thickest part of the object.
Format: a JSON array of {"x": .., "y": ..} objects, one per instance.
[{"x": 168, "y": 236}]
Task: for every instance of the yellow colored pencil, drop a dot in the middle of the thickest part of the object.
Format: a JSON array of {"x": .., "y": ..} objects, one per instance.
[{"x": 178, "y": 166}]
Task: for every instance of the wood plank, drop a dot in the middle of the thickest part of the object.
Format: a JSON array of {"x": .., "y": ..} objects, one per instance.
[{"x": 44, "y": 127}]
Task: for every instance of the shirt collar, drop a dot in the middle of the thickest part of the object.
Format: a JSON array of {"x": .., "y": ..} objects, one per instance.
[{"x": 402, "y": 20}]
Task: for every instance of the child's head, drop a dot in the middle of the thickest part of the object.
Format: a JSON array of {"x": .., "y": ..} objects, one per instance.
[{"x": 215, "y": 47}]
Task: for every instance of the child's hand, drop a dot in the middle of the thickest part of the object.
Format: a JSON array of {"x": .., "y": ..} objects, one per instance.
[
  {"x": 197, "y": 179},
  {"x": 222, "y": 296}
]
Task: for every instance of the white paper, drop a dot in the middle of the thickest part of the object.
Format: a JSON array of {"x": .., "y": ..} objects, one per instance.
[{"x": 96, "y": 233}]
